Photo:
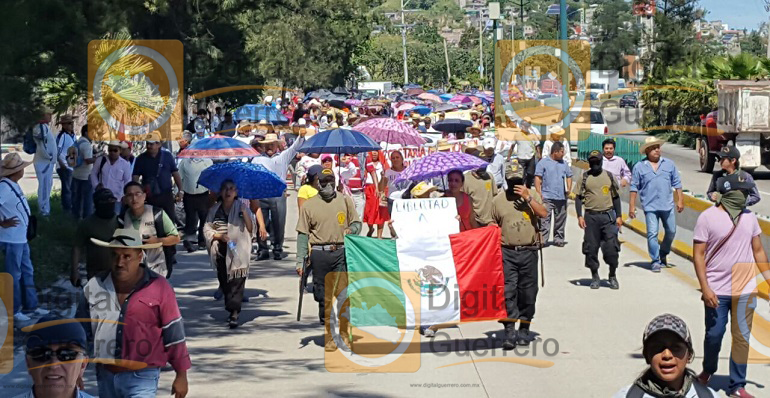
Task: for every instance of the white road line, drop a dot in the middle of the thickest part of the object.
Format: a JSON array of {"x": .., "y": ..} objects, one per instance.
[{"x": 764, "y": 193}]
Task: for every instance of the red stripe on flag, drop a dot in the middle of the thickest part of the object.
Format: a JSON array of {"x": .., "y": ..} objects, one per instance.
[{"x": 479, "y": 265}]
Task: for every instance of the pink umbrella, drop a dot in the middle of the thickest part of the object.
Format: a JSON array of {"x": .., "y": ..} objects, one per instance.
[
  {"x": 430, "y": 97},
  {"x": 391, "y": 131},
  {"x": 404, "y": 107},
  {"x": 476, "y": 100},
  {"x": 461, "y": 99}
]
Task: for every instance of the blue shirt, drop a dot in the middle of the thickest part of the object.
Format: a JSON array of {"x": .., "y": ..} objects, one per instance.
[
  {"x": 147, "y": 167},
  {"x": 655, "y": 187},
  {"x": 553, "y": 174}
]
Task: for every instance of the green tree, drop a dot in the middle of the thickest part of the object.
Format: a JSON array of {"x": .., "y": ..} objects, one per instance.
[
  {"x": 754, "y": 44},
  {"x": 615, "y": 40}
]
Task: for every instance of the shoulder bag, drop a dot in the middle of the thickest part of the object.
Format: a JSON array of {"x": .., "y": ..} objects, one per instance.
[{"x": 31, "y": 220}]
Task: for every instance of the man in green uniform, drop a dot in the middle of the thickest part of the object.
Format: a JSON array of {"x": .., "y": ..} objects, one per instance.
[
  {"x": 598, "y": 191},
  {"x": 324, "y": 220},
  {"x": 482, "y": 188},
  {"x": 516, "y": 211}
]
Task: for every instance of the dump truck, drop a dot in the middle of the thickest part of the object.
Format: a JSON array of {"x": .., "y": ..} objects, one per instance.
[{"x": 742, "y": 119}]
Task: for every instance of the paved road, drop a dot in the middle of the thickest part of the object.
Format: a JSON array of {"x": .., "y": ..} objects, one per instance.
[
  {"x": 583, "y": 332},
  {"x": 625, "y": 122}
]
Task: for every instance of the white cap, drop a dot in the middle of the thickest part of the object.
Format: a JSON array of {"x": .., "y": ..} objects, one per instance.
[
  {"x": 301, "y": 122},
  {"x": 489, "y": 143},
  {"x": 269, "y": 98}
]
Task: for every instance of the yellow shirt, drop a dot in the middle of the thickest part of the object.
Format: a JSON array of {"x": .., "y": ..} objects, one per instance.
[{"x": 306, "y": 192}]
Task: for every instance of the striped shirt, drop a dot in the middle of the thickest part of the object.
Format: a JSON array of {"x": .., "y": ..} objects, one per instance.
[{"x": 147, "y": 328}]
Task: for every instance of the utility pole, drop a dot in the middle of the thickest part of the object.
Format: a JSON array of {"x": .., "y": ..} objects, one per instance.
[
  {"x": 564, "y": 68},
  {"x": 481, "y": 50},
  {"x": 767, "y": 7},
  {"x": 446, "y": 58},
  {"x": 403, "y": 42}
]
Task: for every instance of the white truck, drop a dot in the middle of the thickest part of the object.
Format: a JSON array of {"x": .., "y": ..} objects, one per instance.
[
  {"x": 602, "y": 81},
  {"x": 742, "y": 120},
  {"x": 376, "y": 88}
]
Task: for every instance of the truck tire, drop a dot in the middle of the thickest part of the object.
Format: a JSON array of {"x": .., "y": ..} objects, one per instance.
[{"x": 705, "y": 159}]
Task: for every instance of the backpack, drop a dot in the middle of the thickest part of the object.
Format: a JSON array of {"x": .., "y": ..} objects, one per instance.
[
  {"x": 29, "y": 146},
  {"x": 168, "y": 251}
]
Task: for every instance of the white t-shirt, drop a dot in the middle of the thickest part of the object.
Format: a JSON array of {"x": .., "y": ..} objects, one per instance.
[
  {"x": 86, "y": 151},
  {"x": 392, "y": 175},
  {"x": 10, "y": 207}
]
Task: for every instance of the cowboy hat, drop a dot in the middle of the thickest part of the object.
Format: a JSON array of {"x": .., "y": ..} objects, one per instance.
[
  {"x": 423, "y": 189},
  {"x": 556, "y": 130},
  {"x": 443, "y": 145},
  {"x": 269, "y": 98},
  {"x": 301, "y": 122},
  {"x": 474, "y": 112},
  {"x": 119, "y": 144},
  {"x": 243, "y": 124},
  {"x": 475, "y": 128},
  {"x": 67, "y": 119},
  {"x": 471, "y": 145},
  {"x": 11, "y": 164},
  {"x": 126, "y": 239},
  {"x": 264, "y": 122},
  {"x": 152, "y": 137},
  {"x": 269, "y": 138},
  {"x": 648, "y": 142}
]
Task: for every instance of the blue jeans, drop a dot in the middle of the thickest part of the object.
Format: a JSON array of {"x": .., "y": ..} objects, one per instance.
[
  {"x": 668, "y": 218},
  {"x": 65, "y": 176},
  {"x": 740, "y": 328},
  {"x": 19, "y": 265},
  {"x": 138, "y": 384},
  {"x": 82, "y": 198}
]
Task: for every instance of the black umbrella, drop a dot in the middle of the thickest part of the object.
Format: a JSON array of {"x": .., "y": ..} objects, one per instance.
[
  {"x": 452, "y": 125},
  {"x": 337, "y": 103},
  {"x": 341, "y": 91},
  {"x": 318, "y": 94}
]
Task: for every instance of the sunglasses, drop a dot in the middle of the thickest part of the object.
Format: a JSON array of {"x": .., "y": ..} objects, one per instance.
[{"x": 45, "y": 354}]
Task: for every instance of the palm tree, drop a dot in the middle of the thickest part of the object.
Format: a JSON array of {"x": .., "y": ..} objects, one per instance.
[{"x": 743, "y": 66}]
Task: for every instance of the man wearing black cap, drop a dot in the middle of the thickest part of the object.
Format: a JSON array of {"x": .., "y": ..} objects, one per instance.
[
  {"x": 727, "y": 254},
  {"x": 517, "y": 212},
  {"x": 729, "y": 159},
  {"x": 598, "y": 191},
  {"x": 324, "y": 220},
  {"x": 56, "y": 358},
  {"x": 100, "y": 225}
]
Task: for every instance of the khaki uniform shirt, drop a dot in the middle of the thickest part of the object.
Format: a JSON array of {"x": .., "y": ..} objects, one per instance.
[
  {"x": 598, "y": 191},
  {"x": 516, "y": 219},
  {"x": 481, "y": 192},
  {"x": 325, "y": 223}
]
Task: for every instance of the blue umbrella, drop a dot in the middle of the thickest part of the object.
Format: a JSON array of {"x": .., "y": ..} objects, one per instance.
[
  {"x": 446, "y": 97},
  {"x": 253, "y": 181},
  {"x": 339, "y": 141},
  {"x": 257, "y": 113},
  {"x": 422, "y": 109}
]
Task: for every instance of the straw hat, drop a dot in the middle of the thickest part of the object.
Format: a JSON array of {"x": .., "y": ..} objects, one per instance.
[
  {"x": 11, "y": 164},
  {"x": 269, "y": 139},
  {"x": 153, "y": 137},
  {"x": 264, "y": 122},
  {"x": 423, "y": 189},
  {"x": 648, "y": 142},
  {"x": 126, "y": 239},
  {"x": 443, "y": 145},
  {"x": 471, "y": 145},
  {"x": 244, "y": 125},
  {"x": 67, "y": 119},
  {"x": 119, "y": 144},
  {"x": 476, "y": 128}
]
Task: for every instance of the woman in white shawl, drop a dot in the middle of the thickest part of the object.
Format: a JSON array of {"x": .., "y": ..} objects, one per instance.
[{"x": 228, "y": 230}]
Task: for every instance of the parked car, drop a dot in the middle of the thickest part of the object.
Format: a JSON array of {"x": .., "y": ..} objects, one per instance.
[
  {"x": 629, "y": 100},
  {"x": 598, "y": 124}
]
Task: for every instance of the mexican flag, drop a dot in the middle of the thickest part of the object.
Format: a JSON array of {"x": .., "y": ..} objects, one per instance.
[{"x": 455, "y": 278}]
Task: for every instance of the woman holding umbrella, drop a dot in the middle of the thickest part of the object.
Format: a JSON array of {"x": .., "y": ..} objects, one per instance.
[{"x": 228, "y": 231}]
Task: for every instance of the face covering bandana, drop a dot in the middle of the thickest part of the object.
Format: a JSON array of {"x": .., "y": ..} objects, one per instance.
[
  {"x": 595, "y": 166},
  {"x": 105, "y": 210},
  {"x": 327, "y": 192},
  {"x": 734, "y": 202}
]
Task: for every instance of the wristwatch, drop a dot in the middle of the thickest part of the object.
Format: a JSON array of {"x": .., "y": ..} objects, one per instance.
[{"x": 529, "y": 199}]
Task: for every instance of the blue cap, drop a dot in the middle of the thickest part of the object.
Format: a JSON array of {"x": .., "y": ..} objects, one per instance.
[
  {"x": 314, "y": 170},
  {"x": 53, "y": 329}
]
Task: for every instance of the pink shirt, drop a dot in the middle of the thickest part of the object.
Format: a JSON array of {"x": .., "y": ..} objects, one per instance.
[{"x": 732, "y": 271}]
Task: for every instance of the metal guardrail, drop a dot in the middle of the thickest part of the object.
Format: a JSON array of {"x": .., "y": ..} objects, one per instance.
[{"x": 625, "y": 148}]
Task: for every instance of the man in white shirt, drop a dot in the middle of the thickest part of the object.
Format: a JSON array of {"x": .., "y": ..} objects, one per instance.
[
  {"x": 14, "y": 220},
  {"x": 82, "y": 190},
  {"x": 527, "y": 141},
  {"x": 64, "y": 141},
  {"x": 496, "y": 162},
  {"x": 44, "y": 161},
  {"x": 111, "y": 171},
  {"x": 196, "y": 201},
  {"x": 216, "y": 120}
]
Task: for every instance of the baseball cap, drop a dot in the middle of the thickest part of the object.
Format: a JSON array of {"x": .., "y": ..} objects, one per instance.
[
  {"x": 489, "y": 143},
  {"x": 54, "y": 329},
  {"x": 595, "y": 154},
  {"x": 668, "y": 322},
  {"x": 314, "y": 170},
  {"x": 729, "y": 151},
  {"x": 514, "y": 170},
  {"x": 733, "y": 182}
]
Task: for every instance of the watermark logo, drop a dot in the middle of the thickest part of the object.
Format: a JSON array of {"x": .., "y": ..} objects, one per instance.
[
  {"x": 373, "y": 322},
  {"x": 750, "y": 309},
  {"x": 6, "y": 323},
  {"x": 135, "y": 88}
]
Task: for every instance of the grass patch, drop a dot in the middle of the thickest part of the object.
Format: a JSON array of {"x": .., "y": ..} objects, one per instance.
[{"x": 51, "y": 249}]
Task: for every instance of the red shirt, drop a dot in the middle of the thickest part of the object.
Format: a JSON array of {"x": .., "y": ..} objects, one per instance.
[{"x": 355, "y": 182}]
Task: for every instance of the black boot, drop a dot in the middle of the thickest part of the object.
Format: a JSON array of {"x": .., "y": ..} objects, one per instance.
[
  {"x": 522, "y": 337},
  {"x": 595, "y": 282},
  {"x": 233, "y": 320},
  {"x": 509, "y": 341}
]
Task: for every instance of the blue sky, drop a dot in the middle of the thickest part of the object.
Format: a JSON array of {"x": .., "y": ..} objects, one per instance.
[{"x": 737, "y": 14}]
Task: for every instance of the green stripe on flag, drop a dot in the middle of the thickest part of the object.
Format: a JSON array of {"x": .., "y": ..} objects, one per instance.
[{"x": 376, "y": 295}]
